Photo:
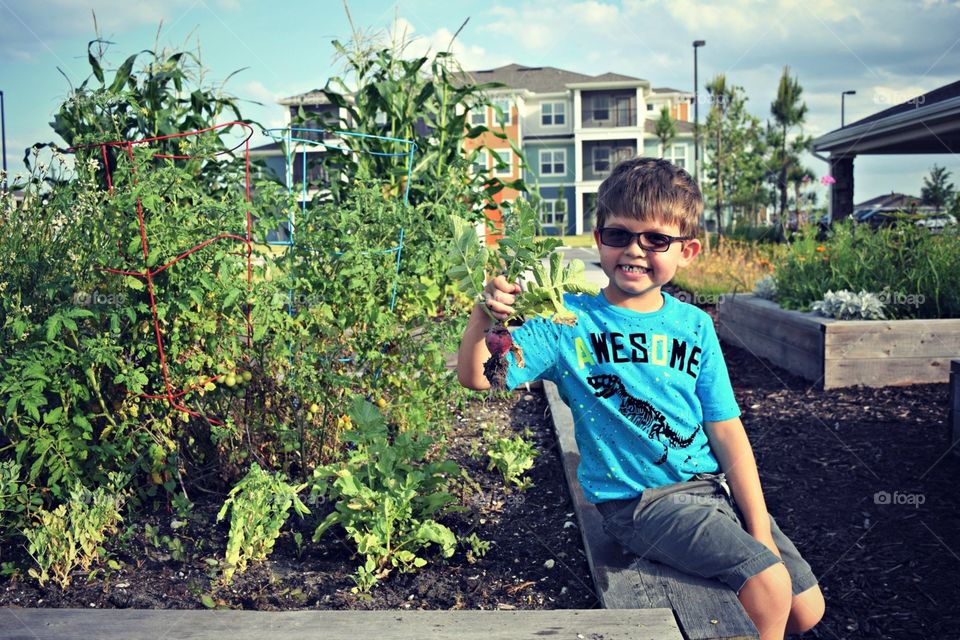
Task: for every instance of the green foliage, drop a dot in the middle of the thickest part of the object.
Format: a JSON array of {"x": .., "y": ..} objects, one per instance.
[
  {"x": 664, "y": 128},
  {"x": 259, "y": 506},
  {"x": 70, "y": 536},
  {"x": 387, "y": 494},
  {"x": 476, "y": 548},
  {"x": 512, "y": 457},
  {"x": 912, "y": 270},
  {"x": 382, "y": 92},
  {"x": 161, "y": 96},
  {"x": 518, "y": 252}
]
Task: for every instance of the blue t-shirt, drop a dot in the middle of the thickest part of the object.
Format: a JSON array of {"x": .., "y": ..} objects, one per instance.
[{"x": 639, "y": 385}]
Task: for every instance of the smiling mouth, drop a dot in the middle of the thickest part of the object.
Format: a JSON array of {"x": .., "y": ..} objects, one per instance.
[{"x": 629, "y": 268}]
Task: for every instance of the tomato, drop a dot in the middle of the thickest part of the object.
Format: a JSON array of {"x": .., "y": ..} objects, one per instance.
[
  {"x": 247, "y": 376},
  {"x": 381, "y": 403},
  {"x": 314, "y": 408},
  {"x": 230, "y": 380}
]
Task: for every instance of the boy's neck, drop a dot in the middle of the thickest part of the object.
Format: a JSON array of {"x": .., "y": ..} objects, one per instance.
[{"x": 647, "y": 302}]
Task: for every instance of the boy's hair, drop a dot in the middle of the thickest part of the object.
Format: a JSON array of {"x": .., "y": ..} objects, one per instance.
[{"x": 651, "y": 188}]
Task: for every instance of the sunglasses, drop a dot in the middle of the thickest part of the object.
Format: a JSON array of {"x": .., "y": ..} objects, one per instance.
[{"x": 648, "y": 240}]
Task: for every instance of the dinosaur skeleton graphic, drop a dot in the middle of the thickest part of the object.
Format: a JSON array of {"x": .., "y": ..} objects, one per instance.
[{"x": 641, "y": 413}]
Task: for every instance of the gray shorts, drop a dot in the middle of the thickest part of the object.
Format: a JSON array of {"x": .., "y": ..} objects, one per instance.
[{"x": 695, "y": 527}]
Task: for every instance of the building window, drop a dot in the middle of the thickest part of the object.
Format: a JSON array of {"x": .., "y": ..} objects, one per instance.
[
  {"x": 678, "y": 155},
  {"x": 649, "y": 106},
  {"x": 504, "y": 162},
  {"x": 553, "y": 213},
  {"x": 553, "y": 114},
  {"x": 601, "y": 159},
  {"x": 506, "y": 107},
  {"x": 478, "y": 116},
  {"x": 480, "y": 162},
  {"x": 553, "y": 162},
  {"x": 601, "y": 108}
]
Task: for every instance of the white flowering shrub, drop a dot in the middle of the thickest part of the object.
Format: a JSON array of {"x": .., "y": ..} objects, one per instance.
[
  {"x": 766, "y": 288},
  {"x": 847, "y": 305}
]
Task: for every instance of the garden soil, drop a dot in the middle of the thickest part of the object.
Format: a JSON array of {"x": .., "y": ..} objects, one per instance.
[{"x": 861, "y": 479}]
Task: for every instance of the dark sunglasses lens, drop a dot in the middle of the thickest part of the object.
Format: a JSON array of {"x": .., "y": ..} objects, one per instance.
[
  {"x": 616, "y": 237},
  {"x": 655, "y": 241}
]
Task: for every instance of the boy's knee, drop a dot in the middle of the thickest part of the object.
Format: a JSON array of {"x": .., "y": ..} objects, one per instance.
[
  {"x": 771, "y": 588},
  {"x": 806, "y": 611}
]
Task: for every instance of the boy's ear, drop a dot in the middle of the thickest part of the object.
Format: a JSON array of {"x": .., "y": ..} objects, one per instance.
[
  {"x": 596, "y": 237},
  {"x": 691, "y": 249}
]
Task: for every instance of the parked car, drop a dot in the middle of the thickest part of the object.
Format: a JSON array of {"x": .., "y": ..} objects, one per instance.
[{"x": 936, "y": 221}]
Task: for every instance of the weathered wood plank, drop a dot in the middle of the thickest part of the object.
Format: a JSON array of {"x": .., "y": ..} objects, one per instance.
[
  {"x": 846, "y": 372},
  {"x": 796, "y": 329},
  {"x": 789, "y": 339},
  {"x": 950, "y": 325},
  {"x": 144, "y": 624},
  {"x": 705, "y": 609},
  {"x": 885, "y": 340}
]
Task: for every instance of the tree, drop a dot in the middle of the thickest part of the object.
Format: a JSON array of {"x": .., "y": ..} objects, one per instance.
[
  {"x": 788, "y": 111},
  {"x": 720, "y": 95},
  {"x": 937, "y": 191},
  {"x": 665, "y": 129}
]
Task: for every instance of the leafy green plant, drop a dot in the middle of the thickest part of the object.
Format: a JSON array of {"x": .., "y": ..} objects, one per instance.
[
  {"x": 259, "y": 506},
  {"x": 70, "y": 536},
  {"x": 476, "y": 548},
  {"x": 518, "y": 252},
  {"x": 386, "y": 496},
  {"x": 512, "y": 457}
]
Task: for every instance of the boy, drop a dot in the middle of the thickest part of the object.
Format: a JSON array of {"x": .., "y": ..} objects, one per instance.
[{"x": 657, "y": 424}]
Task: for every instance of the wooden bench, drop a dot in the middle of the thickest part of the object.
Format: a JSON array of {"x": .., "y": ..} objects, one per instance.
[
  {"x": 704, "y": 609},
  {"x": 148, "y": 624}
]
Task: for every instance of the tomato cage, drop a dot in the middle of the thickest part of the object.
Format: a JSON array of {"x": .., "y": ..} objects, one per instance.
[
  {"x": 297, "y": 143},
  {"x": 148, "y": 270}
]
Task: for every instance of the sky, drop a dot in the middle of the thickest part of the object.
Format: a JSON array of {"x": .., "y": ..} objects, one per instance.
[{"x": 887, "y": 51}]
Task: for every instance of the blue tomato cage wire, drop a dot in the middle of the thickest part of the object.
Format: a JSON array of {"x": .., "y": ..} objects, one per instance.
[{"x": 289, "y": 137}]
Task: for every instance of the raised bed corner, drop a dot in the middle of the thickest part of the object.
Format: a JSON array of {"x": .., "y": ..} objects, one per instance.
[{"x": 841, "y": 353}]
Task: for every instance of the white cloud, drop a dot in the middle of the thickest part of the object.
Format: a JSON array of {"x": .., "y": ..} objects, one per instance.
[{"x": 469, "y": 56}]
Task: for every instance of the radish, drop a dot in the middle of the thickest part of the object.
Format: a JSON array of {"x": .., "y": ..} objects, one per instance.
[{"x": 499, "y": 342}]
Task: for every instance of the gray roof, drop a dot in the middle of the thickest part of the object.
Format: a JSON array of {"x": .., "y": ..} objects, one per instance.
[
  {"x": 539, "y": 79},
  {"x": 668, "y": 90}
]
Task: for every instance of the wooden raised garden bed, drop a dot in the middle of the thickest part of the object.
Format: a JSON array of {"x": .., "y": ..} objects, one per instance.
[{"x": 841, "y": 353}]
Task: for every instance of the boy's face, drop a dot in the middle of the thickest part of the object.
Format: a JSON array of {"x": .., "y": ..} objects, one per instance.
[{"x": 636, "y": 274}]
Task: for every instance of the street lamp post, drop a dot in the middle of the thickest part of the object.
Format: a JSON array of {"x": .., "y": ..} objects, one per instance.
[
  {"x": 696, "y": 131},
  {"x": 843, "y": 97}
]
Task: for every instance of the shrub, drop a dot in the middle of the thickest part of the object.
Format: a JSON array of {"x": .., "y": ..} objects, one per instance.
[
  {"x": 512, "y": 457},
  {"x": 912, "y": 270},
  {"x": 847, "y": 305}
]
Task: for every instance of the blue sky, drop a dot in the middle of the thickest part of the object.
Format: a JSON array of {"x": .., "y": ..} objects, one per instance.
[{"x": 886, "y": 50}]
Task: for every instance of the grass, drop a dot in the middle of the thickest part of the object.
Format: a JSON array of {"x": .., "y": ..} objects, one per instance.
[
  {"x": 580, "y": 241},
  {"x": 734, "y": 266}
]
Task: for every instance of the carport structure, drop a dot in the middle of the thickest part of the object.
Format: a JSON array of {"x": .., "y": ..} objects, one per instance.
[{"x": 926, "y": 124}]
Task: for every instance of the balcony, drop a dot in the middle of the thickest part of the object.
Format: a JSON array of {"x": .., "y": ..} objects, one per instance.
[
  {"x": 600, "y": 156},
  {"x": 608, "y": 109}
]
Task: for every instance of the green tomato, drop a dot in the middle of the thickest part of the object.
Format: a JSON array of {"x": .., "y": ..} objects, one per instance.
[{"x": 230, "y": 380}]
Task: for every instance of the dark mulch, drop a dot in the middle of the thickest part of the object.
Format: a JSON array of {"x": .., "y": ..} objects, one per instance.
[{"x": 859, "y": 478}]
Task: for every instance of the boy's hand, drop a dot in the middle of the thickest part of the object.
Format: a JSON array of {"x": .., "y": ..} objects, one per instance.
[
  {"x": 766, "y": 538},
  {"x": 499, "y": 296}
]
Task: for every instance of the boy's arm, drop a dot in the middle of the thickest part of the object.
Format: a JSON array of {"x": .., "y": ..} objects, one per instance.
[
  {"x": 729, "y": 442},
  {"x": 499, "y": 295}
]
